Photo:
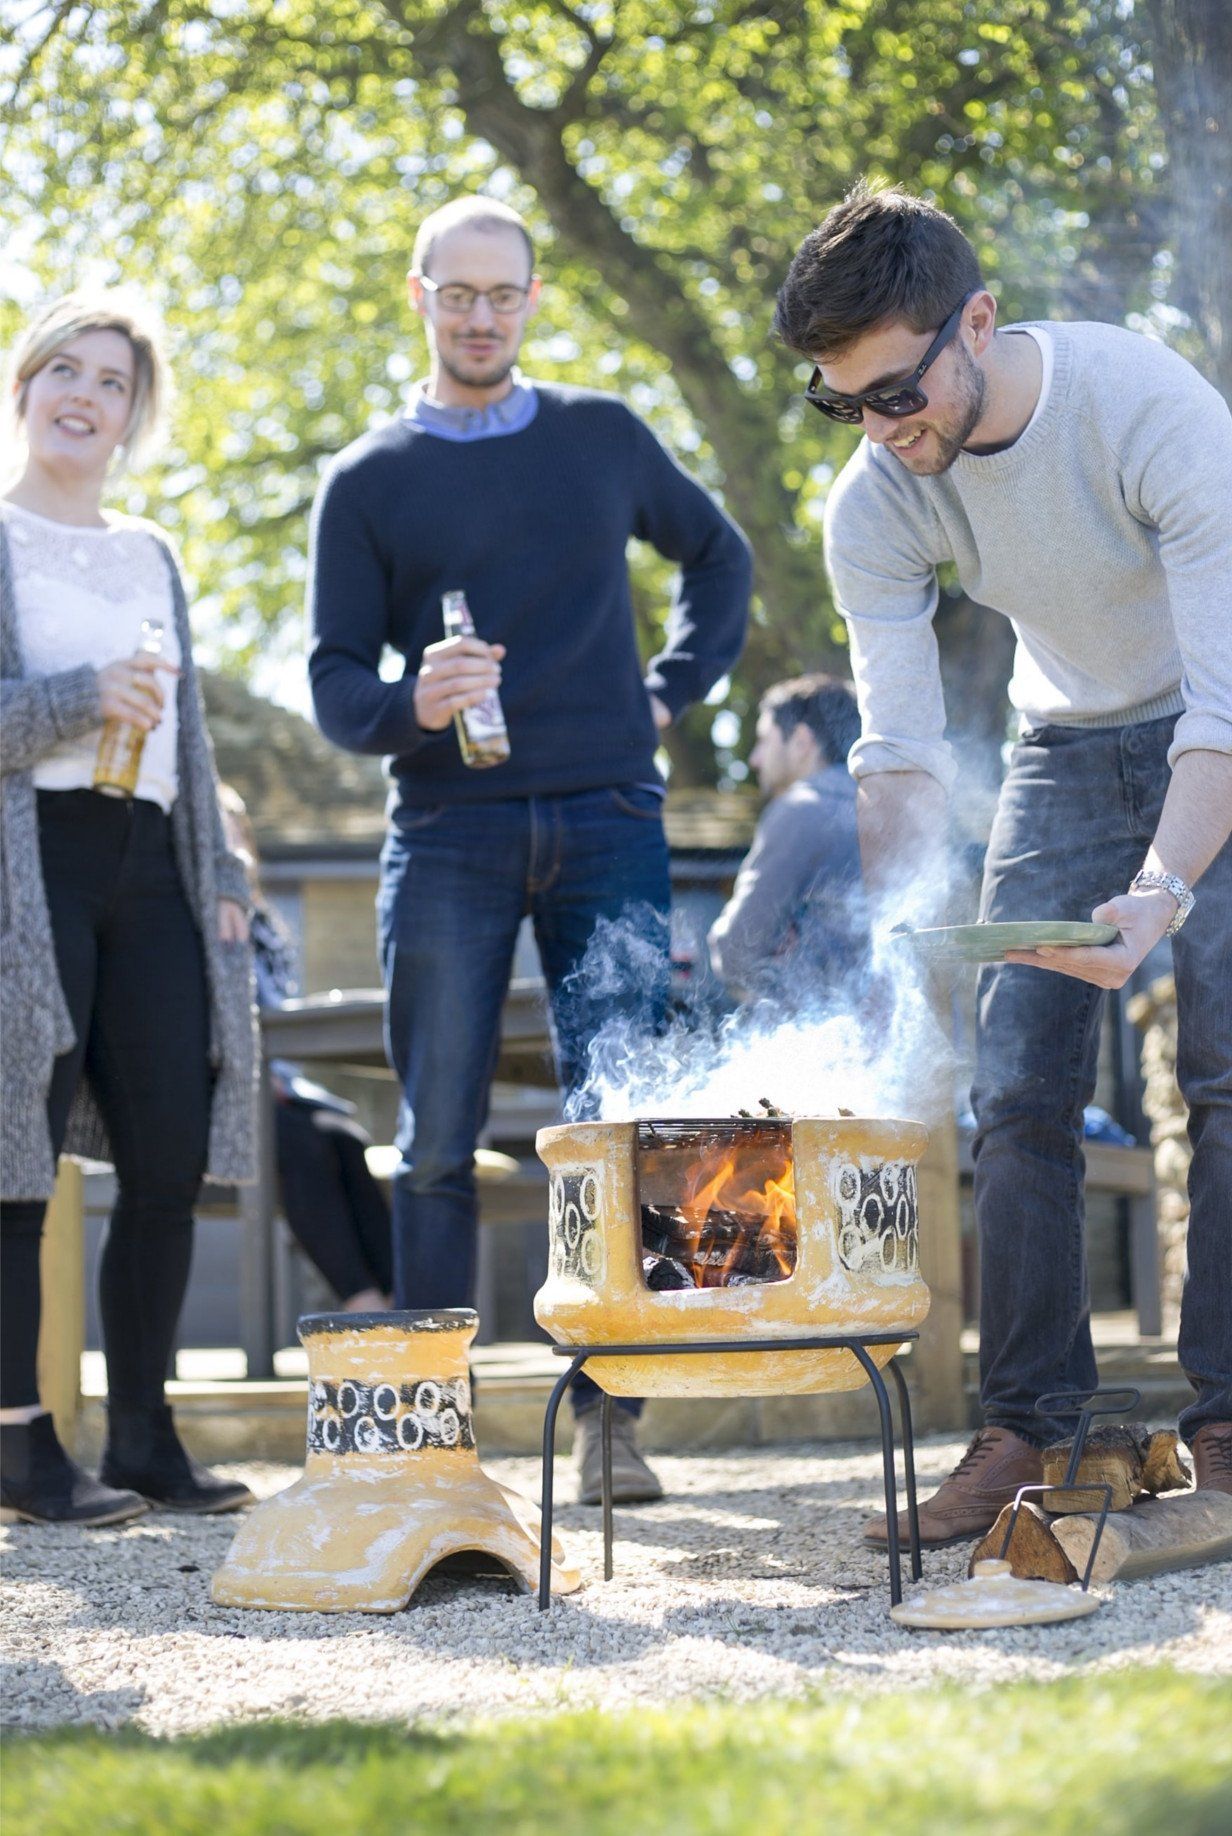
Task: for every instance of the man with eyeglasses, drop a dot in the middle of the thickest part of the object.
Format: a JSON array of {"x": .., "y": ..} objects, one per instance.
[
  {"x": 1078, "y": 477},
  {"x": 524, "y": 495}
]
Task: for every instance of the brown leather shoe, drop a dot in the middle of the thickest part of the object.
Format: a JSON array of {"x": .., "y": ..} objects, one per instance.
[
  {"x": 1211, "y": 1448},
  {"x": 986, "y": 1478}
]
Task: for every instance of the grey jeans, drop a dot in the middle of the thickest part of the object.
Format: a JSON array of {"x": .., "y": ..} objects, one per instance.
[{"x": 1077, "y": 812}]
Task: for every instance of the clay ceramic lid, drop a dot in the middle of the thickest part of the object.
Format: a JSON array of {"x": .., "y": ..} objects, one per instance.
[
  {"x": 993, "y": 1597},
  {"x": 988, "y": 943}
]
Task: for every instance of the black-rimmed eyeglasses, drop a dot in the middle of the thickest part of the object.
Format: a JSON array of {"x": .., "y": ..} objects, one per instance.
[
  {"x": 893, "y": 399},
  {"x": 454, "y": 296}
]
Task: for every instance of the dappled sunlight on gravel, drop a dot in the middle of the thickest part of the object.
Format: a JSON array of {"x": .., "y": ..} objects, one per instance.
[{"x": 748, "y": 1580}]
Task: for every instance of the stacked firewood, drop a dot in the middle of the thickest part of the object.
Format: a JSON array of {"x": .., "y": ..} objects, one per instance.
[{"x": 1146, "y": 1532}]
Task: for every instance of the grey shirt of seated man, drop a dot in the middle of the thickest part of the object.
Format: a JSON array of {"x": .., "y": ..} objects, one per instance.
[{"x": 795, "y": 918}]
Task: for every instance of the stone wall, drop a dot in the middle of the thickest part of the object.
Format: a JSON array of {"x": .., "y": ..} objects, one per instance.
[{"x": 1154, "y": 1013}]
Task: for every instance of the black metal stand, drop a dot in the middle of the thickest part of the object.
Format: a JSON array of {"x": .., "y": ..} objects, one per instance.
[{"x": 855, "y": 1343}]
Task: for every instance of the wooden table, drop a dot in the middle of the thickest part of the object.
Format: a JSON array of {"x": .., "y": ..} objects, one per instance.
[
  {"x": 346, "y": 1027},
  {"x": 1128, "y": 1173}
]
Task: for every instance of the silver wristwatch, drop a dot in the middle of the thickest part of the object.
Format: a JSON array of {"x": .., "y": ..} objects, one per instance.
[{"x": 1170, "y": 883}]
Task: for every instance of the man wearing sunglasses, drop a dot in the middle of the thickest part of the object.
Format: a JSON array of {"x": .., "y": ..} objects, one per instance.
[
  {"x": 1079, "y": 480},
  {"x": 525, "y": 496}
]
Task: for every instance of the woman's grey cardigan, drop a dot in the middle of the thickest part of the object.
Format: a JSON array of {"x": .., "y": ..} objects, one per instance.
[{"x": 36, "y": 713}]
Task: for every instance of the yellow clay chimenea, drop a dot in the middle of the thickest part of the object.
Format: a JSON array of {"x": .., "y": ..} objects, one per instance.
[
  {"x": 854, "y": 1268},
  {"x": 392, "y": 1483}
]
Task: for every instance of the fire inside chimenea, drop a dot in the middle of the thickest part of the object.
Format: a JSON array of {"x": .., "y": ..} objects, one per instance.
[
  {"x": 717, "y": 1205},
  {"x": 676, "y": 1230}
]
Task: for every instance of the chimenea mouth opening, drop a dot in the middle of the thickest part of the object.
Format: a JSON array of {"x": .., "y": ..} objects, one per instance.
[{"x": 717, "y": 1202}]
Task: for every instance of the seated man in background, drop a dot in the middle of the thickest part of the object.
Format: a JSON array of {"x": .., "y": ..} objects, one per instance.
[{"x": 797, "y": 905}]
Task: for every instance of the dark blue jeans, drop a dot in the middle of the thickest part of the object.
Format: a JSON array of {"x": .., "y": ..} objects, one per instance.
[
  {"x": 456, "y": 882},
  {"x": 1077, "y": 812}
]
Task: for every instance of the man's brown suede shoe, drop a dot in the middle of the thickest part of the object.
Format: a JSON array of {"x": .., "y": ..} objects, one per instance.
[
  {"x": 1211, "y": 1448},
  {"x": 986, "y": 1478}
]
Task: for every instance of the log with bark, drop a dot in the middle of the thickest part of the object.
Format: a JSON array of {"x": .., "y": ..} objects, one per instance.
[
  {"x": 1034, "y": 1553},
  {"x": 1185, "y": 1530},
  {"x": 1128, "y": 1458},
  {"x": 1157, "y": 1535}
]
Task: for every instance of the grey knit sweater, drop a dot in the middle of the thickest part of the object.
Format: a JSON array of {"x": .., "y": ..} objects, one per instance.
[
  {"x": 1104, "y": 534},
  {"x": 37, "y": 712}
]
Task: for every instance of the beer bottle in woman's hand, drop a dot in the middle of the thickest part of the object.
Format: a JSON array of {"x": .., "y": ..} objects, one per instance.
[{"x": 119, "y": 750}]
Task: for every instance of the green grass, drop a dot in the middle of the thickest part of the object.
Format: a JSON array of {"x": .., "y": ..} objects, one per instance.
[{"x": 1146, "y": 1753}]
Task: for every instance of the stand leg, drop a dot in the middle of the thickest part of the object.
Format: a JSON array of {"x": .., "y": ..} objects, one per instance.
[
  {"x": 887, "y": 1461},
  {"x": 605, "y": 1424},
  {"x": 549, "y": 1466},
  {"x": 913, "y": 1512}
]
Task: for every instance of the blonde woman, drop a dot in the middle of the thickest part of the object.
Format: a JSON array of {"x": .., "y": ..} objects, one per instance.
[{"x": 126, "y": 979}]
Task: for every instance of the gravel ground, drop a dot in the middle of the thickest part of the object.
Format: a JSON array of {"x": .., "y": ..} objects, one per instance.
[{"x": 749, "y": 1580}]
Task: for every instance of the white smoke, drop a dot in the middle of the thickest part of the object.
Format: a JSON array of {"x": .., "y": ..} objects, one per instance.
[{"x": 879, "y": 1050}]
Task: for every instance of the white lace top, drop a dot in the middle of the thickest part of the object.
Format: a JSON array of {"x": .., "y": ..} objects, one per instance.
[{"x": 82, "y": 595}]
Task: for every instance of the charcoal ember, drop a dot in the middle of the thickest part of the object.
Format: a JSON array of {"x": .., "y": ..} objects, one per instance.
[
  {"x": 664, "y": 1231},
  {"x": 730, "y": 1245},
  {"x": 725, "y": 1245},
  {"x": 663, "y": 1275}
]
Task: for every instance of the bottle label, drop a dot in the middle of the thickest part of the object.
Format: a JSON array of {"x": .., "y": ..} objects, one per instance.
[
  {"x": 485, "y": 721},
  {"x": 482, "y": 733}
]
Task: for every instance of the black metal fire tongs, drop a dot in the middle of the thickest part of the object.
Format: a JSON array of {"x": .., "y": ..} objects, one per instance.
[{"x": 1086, "y": 1405}]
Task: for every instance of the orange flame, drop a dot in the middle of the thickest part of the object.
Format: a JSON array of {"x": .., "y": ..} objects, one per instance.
[{"x": 725, "y": 1179}]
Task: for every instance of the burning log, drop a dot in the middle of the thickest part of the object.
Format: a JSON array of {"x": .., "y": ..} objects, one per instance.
[
  {"x": 724, "y": 1247},
  {"x": 1128, "y": 1458},
  {"x": 663, "y": 1274},
  {"x": 720, "y": 1209}
]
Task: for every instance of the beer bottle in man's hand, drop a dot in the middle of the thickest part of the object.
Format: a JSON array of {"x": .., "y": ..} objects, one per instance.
[
  {"x": 482, "y": 733},
  {"x": 119, "y": 751}
]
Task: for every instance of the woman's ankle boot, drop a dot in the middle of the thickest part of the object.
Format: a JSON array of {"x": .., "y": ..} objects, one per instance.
[
  {"x": 145, "y": 1453},
  {"x": 41, "y": 1485}
]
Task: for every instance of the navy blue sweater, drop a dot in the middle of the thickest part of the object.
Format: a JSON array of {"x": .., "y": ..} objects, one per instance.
[{"x": 533, "y": 527}]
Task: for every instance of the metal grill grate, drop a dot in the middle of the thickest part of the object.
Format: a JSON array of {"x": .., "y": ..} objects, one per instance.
[{"x": 696, "y": 1134}]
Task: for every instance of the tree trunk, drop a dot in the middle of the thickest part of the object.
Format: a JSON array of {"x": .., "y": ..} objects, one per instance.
[{"x": 1193, "y": 81}]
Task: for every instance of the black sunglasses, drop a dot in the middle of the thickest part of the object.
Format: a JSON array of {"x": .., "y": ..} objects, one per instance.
[{"x": 895, "y": 399}]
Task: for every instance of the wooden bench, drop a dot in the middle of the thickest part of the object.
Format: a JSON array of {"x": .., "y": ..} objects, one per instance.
[{"x": 1128, "y": 1173}]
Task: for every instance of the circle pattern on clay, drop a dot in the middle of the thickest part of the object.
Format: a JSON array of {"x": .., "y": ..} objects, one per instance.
[
  {"x": 879, "y": 1220},
  {"x": 352, "y": 1417},
  {"x": 573, "y": 1224}
]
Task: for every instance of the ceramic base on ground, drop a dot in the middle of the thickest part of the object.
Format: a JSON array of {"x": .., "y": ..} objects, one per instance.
[{"x": 392, "y": 1483}]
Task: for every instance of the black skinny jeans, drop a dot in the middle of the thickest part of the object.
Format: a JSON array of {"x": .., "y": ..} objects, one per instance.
[{"x": 133, "y": 973}]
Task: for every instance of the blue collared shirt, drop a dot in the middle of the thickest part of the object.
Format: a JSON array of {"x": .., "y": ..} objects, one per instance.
[{"x": 509, "y": 415}]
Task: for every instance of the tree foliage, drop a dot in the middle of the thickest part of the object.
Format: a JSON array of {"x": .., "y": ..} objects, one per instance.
[{"x": 261, "y": 165}]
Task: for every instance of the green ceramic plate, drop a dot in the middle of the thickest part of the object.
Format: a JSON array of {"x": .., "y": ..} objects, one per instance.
[{"x": 988, "y": 943}]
